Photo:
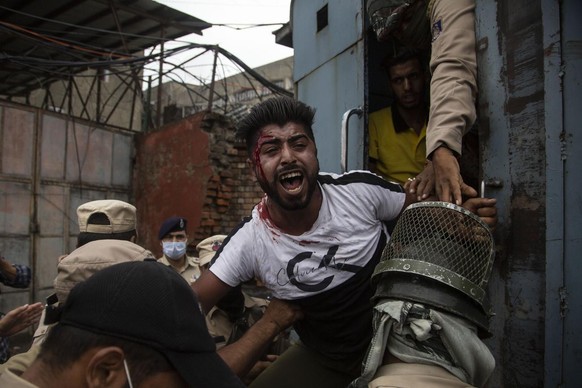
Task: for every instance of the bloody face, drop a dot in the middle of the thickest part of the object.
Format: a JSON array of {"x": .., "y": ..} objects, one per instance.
[{"x": 286, "y": 166}]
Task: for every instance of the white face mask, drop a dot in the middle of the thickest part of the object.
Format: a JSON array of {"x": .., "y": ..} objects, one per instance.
[{"x": 174, "y": 250}]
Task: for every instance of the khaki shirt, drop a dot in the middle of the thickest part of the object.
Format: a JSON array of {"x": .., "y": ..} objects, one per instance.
[
  {"x": 190, "y": 271},
  {"x": 13, "y": 380},
  {"x": 220, "y": 327},
  {"x": 415, "y": 375},
  {"x": 453, "y": 64},
  {"x": 20, "y": 362}
]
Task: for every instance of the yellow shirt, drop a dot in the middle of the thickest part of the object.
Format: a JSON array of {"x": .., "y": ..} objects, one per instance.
[{"x": 399, "y": 155}]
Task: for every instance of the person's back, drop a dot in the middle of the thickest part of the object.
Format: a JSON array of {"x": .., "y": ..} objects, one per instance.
[
  {"x": 111, "y": 221},
  {"x": 72, "y": 269}
]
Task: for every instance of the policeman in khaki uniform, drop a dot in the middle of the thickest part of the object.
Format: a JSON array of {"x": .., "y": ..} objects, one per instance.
[
  {"x": 220, "y": 325},
  {"x": 174, "y": 240},
  {"x": 448, "y": 29},
  {"x": 107, "y": 231}
]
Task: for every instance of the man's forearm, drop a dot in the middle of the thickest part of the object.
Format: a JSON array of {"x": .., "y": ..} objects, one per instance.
[
  {"x": 241, "y": 355},
  {"x": 453, "y": 65}
]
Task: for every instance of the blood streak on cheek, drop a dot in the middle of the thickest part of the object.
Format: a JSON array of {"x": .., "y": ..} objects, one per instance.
[{"x": 257, "y": 154}]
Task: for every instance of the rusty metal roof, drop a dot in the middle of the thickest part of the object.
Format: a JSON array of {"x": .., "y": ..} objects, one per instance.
[{"x": 41, "y": 41}]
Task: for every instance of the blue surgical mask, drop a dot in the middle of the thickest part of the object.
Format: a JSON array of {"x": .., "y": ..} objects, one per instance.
[{"x": 174, "y": 250}]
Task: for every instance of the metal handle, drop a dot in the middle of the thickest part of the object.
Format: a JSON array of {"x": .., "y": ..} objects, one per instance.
[
  {"x": 344, "y": 141},
  {"x": 494, "y": 183}
]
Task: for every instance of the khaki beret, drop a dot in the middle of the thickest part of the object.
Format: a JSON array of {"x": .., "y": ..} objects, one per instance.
[{"x": 208, "y": 247}]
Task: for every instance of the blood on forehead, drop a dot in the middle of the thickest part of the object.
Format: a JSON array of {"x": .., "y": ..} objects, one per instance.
[
  {"x": 275, "y": 133},
  {"x": 257, "y": 152}
]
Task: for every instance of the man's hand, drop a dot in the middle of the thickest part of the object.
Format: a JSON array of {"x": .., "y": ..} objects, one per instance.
[
  {"x": 447, "y": 174},
  {"x": 422, "y": 184},
  {"x": 241, "y": 355},
  {"x": 484, "y": 208},
  {"x": 20, "y": 318},
  {"x": 7, "y": 269},
  {"x": 282, "y": 314},
  {"x": 259, "y": 367}
]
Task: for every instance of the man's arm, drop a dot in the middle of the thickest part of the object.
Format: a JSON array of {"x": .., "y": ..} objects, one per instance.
[
  {"x": 14, "y": 275},
  {"x": 241, "y": 355},
  {"x": 209, "y": 289},
  {"x": 20, "y": 318},
  {"x": 453, "y": 91}
]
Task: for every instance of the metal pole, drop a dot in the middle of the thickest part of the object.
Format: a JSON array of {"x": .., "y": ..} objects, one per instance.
[
  {"x": 211, "y": 92},
  {"x": 160, "y": 74}
]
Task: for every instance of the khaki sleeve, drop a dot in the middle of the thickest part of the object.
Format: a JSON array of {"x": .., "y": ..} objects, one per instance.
[
  {"x": 20, "y": 362},
  {"x": 454, "y": 74}
]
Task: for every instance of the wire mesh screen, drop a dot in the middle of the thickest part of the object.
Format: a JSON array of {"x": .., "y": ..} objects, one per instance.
[{"x": 444, "y": 242}]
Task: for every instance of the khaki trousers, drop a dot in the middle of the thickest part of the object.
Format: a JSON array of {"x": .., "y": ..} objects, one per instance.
[{"x": 403, "y": 375}]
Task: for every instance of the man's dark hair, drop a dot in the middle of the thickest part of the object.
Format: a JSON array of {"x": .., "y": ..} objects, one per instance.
[
  {"x": 102, "y": 219},
  {"x": 276, "y": 110},
  {"x": 66, "y": 344},
  {"x": 401, "y": 56}
]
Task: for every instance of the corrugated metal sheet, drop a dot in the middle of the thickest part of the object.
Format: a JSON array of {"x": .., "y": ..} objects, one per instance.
[{"x": 50, "y": 165}]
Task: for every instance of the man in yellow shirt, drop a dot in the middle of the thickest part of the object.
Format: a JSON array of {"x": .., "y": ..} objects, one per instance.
[{"x": 397, "y": 134}]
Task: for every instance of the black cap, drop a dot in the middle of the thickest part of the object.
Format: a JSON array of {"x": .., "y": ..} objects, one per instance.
[
  {"x": 149, "y": 303},
  {"x": 172, "y": 224}
]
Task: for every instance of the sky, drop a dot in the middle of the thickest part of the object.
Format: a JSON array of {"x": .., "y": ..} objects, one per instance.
[{"x": 255, "y": 46}]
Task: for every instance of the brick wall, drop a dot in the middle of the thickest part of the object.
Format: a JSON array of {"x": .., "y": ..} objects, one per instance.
[
  {"x": 232, "y": 190},
  {"x": 193, "y": 168}
]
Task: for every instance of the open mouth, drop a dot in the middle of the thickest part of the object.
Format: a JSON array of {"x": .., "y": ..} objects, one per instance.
[{"x": 292, "y": 182}]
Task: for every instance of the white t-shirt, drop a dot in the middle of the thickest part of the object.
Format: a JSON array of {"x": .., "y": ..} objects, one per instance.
[{"x": 325, "y": 270}]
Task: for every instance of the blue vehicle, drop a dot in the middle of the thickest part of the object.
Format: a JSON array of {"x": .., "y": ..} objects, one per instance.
[{"x": 530, "y": 156}]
